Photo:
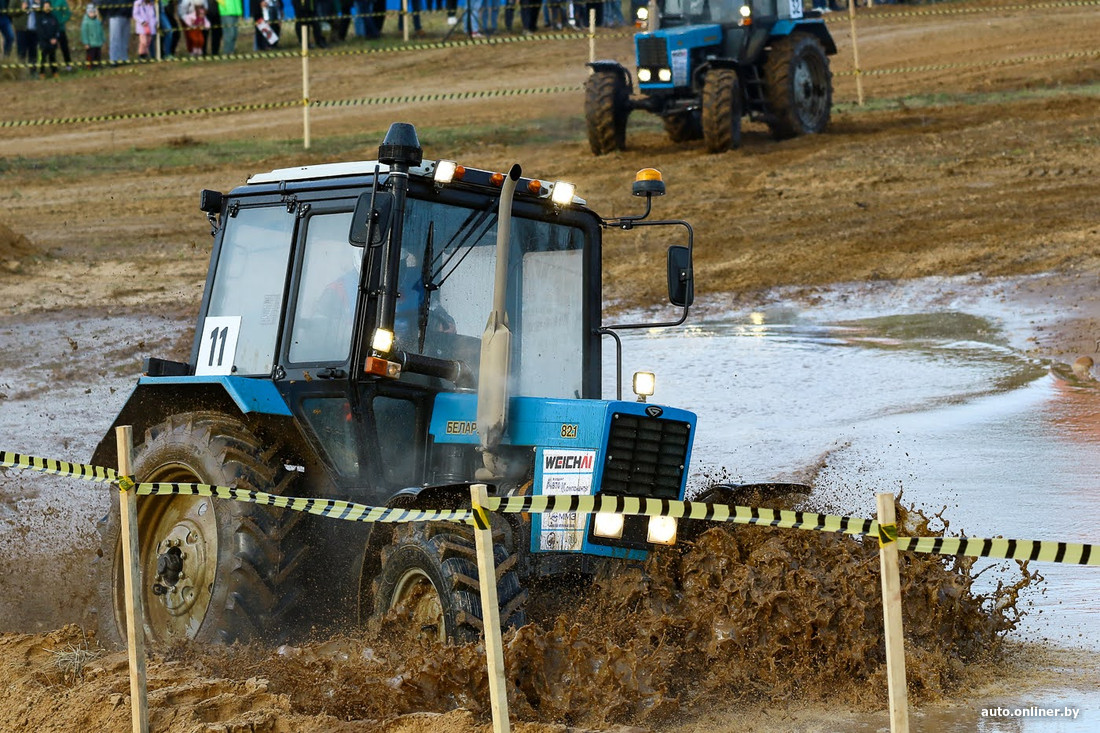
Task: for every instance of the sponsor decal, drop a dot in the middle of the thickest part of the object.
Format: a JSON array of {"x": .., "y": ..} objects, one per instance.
[{"x": 565, "y": 472}]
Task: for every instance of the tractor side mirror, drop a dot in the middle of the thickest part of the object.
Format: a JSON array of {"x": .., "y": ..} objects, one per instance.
[
  {"x": 681, "y": 280},
  {"x": 369, "y": 224}
]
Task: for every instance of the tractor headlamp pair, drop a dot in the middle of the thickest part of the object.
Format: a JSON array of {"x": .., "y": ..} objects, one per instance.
[
  {"x": 646, "y": 75},
  {"x": 662, "y": 530}
]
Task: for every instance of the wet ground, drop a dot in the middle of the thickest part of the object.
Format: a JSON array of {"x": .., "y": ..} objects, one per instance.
[
  {"x": 926, "y": 390},
  {"x": 930, "y": 389}
]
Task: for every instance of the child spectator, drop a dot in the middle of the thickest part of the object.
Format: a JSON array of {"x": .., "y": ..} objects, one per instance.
[
  {"x": 92, "y": 36},
  {"x": 48, "y": 31},
  {"x": 145, "y": 25},
  {"x": 195, "y": 25}
]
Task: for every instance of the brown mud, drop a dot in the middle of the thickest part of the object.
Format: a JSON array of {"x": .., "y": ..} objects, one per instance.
[{"x": 974, "y": 167}]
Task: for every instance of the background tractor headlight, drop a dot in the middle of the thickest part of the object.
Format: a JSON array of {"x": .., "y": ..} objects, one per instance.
[
  {"x": 644, "y": 75},
  {"x": 662, "y": 530},
  {"x": 644, "y": 384},
  {"x": 664, "y": 74}
]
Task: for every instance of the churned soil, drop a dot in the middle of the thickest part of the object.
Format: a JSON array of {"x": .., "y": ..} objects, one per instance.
[{"x": 977, "y": 152}]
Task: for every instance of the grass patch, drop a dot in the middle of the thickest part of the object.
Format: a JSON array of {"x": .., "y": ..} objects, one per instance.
[{"x": 185, "y": 151}]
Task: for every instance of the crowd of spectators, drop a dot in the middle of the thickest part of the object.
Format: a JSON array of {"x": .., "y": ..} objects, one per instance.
[{"x": 37, "y": 30}]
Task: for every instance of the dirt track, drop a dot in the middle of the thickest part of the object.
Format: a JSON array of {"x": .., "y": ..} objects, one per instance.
[{"x": 991, "y": 169}]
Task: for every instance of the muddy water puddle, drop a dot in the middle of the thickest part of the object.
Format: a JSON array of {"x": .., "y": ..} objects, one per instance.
[{"x": 927, "y": 395}]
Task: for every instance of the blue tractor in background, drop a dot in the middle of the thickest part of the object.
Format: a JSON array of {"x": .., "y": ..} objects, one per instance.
[{"x": 702, "y": 65}]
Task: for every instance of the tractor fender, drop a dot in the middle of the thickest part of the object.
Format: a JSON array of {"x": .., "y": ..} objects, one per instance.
[
  {"x": 154, "y": 399},
  {"x": 813, "y": 26},
  {"x": 613, "y": 66}
]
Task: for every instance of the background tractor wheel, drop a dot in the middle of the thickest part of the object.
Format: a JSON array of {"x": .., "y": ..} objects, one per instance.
[
  {"x": 606, "y": 108},
  {"x": 721, "y": 110},
  {"x": 227, "y": 570},
  {"x": 799, "y": 86},
  {"x": 683, "y": 126},
  {"x": 429, "y": 577}
]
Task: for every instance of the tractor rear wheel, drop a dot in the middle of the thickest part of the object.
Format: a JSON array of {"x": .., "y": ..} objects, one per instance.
[
  {"x": 606, "y": 108},
  {"x": 211, "y": 570},
  {"x": 429, "y": 578},
  {"x": 721, "y": 110},
  {"x": 683, "y": 126},
  {"x": 798, "y": 86}
]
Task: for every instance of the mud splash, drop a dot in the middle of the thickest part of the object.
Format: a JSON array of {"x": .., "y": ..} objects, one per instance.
[
  {"x": 14, "y": 247},
  {"x": 745, "y": 614}
]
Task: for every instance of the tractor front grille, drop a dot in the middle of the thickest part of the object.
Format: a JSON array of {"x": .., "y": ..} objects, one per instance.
[
  {"x": 652, "y": 52},
  {"x": 645, "y": 456}
]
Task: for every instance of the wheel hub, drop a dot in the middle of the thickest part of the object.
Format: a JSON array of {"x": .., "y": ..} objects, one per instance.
[{"x": 417, "y": 600}]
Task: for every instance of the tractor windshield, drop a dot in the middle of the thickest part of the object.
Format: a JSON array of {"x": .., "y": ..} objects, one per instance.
[
  {"x": 446, "y": 292},
  {"x": 704, "y": 11}
]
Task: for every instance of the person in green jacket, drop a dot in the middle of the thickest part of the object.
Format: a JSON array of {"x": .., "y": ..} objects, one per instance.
[
  {"x": 231, "y": 12},
  {"x": 92, "y": 36},
  {"x": 62, "y": 12}
]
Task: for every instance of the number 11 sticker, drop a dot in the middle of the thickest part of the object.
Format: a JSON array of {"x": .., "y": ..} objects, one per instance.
[{"x": 218, "y": 345}]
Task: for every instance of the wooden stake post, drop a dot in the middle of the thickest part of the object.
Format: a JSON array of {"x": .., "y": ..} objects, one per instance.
[
  {"x": 592, "y": 34},
  {"x": 855, "y": 49},
  {"x": 891, "y": 606},
  {"x": 490, "y": 609},
  {"x": 305, "y": 88},
  {"x": 135, "y": 609}
]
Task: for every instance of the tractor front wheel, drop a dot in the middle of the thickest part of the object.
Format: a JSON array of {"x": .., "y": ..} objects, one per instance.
[
  {"x": 606, "y": 108},
  {"x": 211, "y": 570},
  {"x": 799, "y": 86},
  {"x": 721, "y": 110},
  {"x": 429, "y": 578}
]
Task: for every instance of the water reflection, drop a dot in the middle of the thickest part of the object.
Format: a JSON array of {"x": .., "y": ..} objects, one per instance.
[{"x": 936, "y": 404}]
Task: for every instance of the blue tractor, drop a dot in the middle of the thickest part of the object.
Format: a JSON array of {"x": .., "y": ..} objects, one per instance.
[
  {"x": 341, "y": 352},
  {"x": 702, "y": 65}
]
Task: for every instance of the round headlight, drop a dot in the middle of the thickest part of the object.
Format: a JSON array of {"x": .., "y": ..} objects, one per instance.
[
  {"x": 644, "y": 75},
  {"x": 664, "y": 74}
]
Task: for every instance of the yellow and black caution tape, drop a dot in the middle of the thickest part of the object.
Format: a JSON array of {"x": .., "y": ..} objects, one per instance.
[
  {"x": 975, "y": 64},
  {"x": 332, "y": 508},
  {"x": 61, "y": 468},
  {"x": 887, "y": 533},
  {"x": 634, "y": 505},
  {"x": 150, "y": 115},
  {"x": 865, "y": 13},
  {"x": 1069, "y": 553},
  {"x": 363, "y": 101}
]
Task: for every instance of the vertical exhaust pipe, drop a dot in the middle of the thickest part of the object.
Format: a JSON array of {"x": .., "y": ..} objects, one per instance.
[{"x": 496, "y": 341}]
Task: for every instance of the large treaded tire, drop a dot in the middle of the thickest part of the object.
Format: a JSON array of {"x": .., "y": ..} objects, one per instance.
[
  {"x": 606, "y": 108},
  {"x": 722, "y": 110},
  {"x": 450, "y": 608},
  {"x": 798, "y": 86},
  {"x": 683, "y": 126},
  {"x": 241, "y": 561}
]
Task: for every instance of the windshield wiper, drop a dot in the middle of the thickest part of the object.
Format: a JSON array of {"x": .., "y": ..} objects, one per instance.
[{"x": 482, "y": 220}]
